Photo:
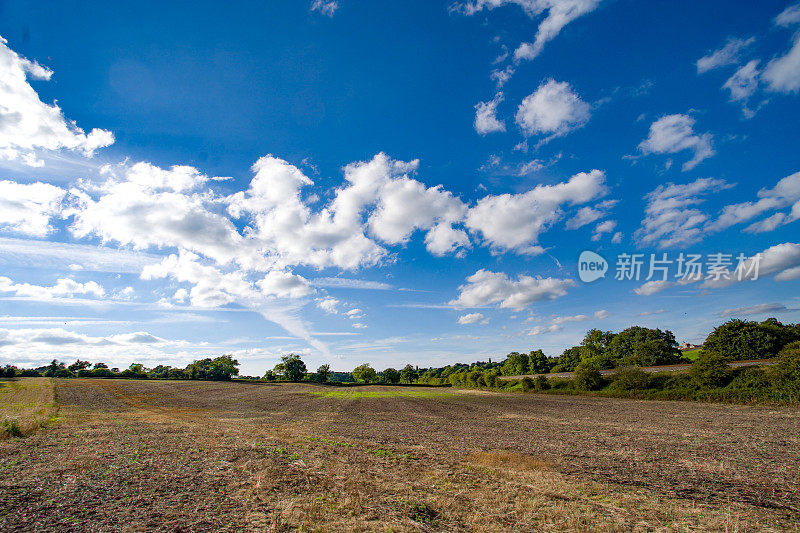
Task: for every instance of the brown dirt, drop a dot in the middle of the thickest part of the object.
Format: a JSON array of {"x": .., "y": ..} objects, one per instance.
[{"x": 199, "y": 456}]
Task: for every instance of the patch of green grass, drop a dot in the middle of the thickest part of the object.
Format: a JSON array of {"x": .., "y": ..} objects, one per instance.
[
  {"x": 351, "y": 394},
  {"x": 330, "y": 441},
  {"x": 692, "y": 354}
]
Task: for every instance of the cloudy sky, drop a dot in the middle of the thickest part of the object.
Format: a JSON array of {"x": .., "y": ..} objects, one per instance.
[{"x": 388, "y": 182}]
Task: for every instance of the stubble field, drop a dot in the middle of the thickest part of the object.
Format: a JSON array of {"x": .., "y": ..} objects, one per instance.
[{"x": 203, "y": 456}]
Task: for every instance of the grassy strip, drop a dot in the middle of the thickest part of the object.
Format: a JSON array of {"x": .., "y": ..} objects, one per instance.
[
  {"x": 26, "y": 405},
  {"x": 350, "y": 394}
]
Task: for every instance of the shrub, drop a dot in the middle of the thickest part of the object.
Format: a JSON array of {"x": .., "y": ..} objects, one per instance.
[
  {"x": 789, "y": 364},
  {"x": 630, "y": 378},
  {"x": 541, "y": 383},
  {"x": 11, "y": 428},
  {"x": 587, "y": 376},
  {"x": 739, "y": 339},
  {"x": 710, "y": 370},
  {"x": 30, "y": 373}
]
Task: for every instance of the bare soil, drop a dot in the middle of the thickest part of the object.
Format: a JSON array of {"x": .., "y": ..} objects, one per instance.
[{"x": 202, "y": 456}]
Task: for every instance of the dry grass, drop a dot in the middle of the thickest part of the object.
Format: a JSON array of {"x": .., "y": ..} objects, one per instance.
[
  {"x": 180, "y": 456},
  {"x": 25, "y": 405}
]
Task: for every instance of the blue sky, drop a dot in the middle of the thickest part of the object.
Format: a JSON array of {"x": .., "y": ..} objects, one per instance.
[{"x": 387, "y": 182}]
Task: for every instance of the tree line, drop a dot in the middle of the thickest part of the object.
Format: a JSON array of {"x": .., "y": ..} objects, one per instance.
[{"x": 710, "y": 375}]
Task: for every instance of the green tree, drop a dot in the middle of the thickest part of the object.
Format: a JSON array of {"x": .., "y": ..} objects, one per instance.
[
  {"x": 710, "y": 369},
  {"x": 638, "y": 346},
  {"x": 223, "y": 368},
  {"x": 408, "y": 374},
  {"x": 365, "y": 374},
  {"x": 100, "y": 365},
  {"x": 291, "y": 368},
  {"x": 739, "y": 339},
  {"x": 538, "y": 363},
  {"x": 515, "y": 364},
  {"x": 323, "y": 374},
  {"x": 587, "y": 376},
  {"x": 53, "y": 368},
  {"x": 391, "y": 376},
  {"x": 269, "y": 375},
  {"x": 79, "y": 365},
  {"x": 568, "y": 360}
]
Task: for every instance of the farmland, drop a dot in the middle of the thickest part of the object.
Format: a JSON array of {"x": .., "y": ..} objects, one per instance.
[{"x": 129, "y": 455}]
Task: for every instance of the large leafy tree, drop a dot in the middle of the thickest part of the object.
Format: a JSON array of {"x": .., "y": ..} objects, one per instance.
[
  {"x": 323, "y": 374},
  {"x": 291, "y": 367},
  {"x": 638, "y": 346},
  {"x": 408, "y": 374},
  {"x": 538, "y": 363},
  {"x": 739, "y": 339},
  {"x": 365, "y": 374},
  {"x": 391, "y": 376},
  {"x": 515, "y": 364}
]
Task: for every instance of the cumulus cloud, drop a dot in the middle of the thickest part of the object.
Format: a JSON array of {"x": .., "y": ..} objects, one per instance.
[
  {"x": 651, "y": 287},
  {"x": 489, "y": 288},
  {"x": 754, "y": 310},
  {"x": 329, "y": 305},
  {"x": 541, "y": 330},
  {"x": 671, "y": 134},
  {"x": 473, "y": 318},
  {"x": 785, "y": 194},
  {"x": 744, "y": 83},
  {"x": 782, "y": 74},
  {"x": 515, "y": 221},
  {"x": 781, "y": 261},
  {"x": 579, "y": 318},
  {"x": 325, "y": 7},
  {"x": 27, "y": 124},
  {"x": 486, "y": 120},
  {"x": 64, "y": 288},
  {"x": 607, "y": 226},
  {"x": 727, "y": 55},
  {"x": 671, "y": 215},
  {"x": 554, "y": 109},
  {"x": 559, "y": 14},
  {"x": 27, "y": 209}
]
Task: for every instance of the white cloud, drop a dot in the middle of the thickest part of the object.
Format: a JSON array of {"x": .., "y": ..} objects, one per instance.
[
  {"x": 559, "y": 14},
  {"x": 670, "y": 216},
  {"x": 325, "y": 7},
  {"x": 727, "y": 55},
  {"x": 579, "y": 318},
  {"x": 785, "y": 194},
  {"x": 64, "y": 288},
  {"x": 652, "y": 287},
  {"x": 27, "y": 124},
  {"x": 744, "y": 82},
  {"x": 359, "y": 325},
  {"x": 671, "y": 134},
  {"x": 28, "y": 208},
  {"x": 488, "y": 288},
  {"x": 607, "y": 226},
  {"x": 553, "y": 109},
  {"x": 473, "y": 318},
  {"x": 146, "y": 206},
  {"x": 355, "y": 314},
  {"x": 486, "y": 116},
  {"x": 789, "y": 16},
  {"x": 782, "y": 260},
  {"x": 515, "y": 221},
  {"x": 71, "y": 256},
  {"x": 754, "y": 310},
  {"x": 329, "y": 305},
  {"x": 349, "y": 283},
  {"x": 541, "y": 330},
  {"x": 782, "y": 74}
]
